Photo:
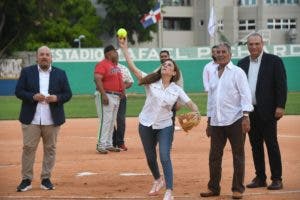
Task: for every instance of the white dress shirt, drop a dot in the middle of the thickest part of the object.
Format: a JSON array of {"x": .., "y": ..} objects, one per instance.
[
  {"x": 126, "y": 76},
  {"x": 157, "y": 111},
  {"x": 253, "y": 74},
  {"x": 209, "y": 68},
  {"x": 42, "y": 114},
  {"x": 229, "y": 96}
]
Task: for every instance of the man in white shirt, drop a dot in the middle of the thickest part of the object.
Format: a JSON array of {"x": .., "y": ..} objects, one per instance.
[
  {"x": 228, "y": 118},
  {"x": 209, "y": 68}
]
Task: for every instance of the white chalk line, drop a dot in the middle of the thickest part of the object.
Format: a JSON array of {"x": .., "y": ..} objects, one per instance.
[
  {"x": 289, "y": 136},
  {"x": 146, "y": 197}
]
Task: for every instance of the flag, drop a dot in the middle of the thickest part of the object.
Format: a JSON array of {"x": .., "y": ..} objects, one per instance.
[
  {"x": 152, "y": 17},
  {"x": 211, "y": 27}
]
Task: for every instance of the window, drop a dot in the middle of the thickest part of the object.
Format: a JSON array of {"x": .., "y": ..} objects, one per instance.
[
  {"x": 176, "y": 2},
  {"x": 177, "y": 23},
  {"x": 283, "y": 24},
  {"x": 276, "y": 2},
  {"x": 220, "y": 25},
  {"x": 246, "y": 24},
  {"x": 247, "y": 2}
]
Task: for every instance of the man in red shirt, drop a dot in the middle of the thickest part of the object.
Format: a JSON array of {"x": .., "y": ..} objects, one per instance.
[{"x": 109, "y": 83}]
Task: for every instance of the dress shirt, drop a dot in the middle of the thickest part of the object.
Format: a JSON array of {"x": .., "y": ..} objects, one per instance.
[
  {"x": 157, "y": 111},
  {"x": 42, "y": 114},
  {"x": 126, "y": 76},
  {"x": 209, "y": 68},
  {"x": 252, "y": 75},
  {"x": 229, "y": 96}
]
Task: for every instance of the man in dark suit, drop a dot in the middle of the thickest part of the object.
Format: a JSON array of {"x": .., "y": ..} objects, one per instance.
[
  {"x": 268, "y": 84},
  {"x": 43, "y": 90}
]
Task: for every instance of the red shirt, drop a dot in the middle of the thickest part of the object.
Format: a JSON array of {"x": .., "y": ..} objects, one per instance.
[{"x": 112, "y": 76}]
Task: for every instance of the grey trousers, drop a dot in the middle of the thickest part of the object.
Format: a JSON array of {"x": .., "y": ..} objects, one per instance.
[
  {"x": 219, "y": 137},
  {"x": 31, "y": 138}
]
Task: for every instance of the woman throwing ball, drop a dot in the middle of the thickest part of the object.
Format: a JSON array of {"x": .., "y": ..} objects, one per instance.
[{"x": 155, "y": 119}]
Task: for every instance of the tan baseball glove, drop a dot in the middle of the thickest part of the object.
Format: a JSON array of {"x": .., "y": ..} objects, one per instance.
[{"x": 189, "y": 120}]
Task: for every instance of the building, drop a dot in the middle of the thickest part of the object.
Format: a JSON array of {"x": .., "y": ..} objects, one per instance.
[{"x": 185, "y": 22}]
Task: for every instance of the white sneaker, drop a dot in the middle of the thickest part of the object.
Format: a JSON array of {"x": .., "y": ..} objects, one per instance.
[
  {"x": 168, "y": 195},
  {"x": 177, "y": 128},
  {"x": 157, "y": 185}
]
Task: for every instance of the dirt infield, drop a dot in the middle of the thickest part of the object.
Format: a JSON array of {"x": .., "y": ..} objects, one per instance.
[{"x": 81, "y": 173}]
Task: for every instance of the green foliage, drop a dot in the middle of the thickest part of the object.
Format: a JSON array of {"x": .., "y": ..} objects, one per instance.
[
  {"x": 26, "y": 25},
  {"x": 83, "y": 106},
  {"x": 127, "y": 14}
]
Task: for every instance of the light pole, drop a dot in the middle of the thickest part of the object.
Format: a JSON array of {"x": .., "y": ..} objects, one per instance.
[{"x": 79, "y": 40}]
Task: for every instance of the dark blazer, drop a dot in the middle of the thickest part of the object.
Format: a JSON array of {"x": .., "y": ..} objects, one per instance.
[
  {"x": 28, "y": 85},
  {"x": 271, "y": 86}
]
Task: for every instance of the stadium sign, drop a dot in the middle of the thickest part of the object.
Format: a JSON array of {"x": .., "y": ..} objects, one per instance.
[{"x": 142, "y": 54}]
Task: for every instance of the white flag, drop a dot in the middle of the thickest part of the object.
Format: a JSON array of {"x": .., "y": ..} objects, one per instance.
[{"x": 211, "y": 27}]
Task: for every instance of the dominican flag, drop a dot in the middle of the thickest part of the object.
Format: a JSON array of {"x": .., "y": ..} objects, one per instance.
[{"x": 152, "y": 17}]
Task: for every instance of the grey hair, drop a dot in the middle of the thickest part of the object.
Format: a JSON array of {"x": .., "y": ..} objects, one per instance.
[
  {"x": 225, "y": 44},
  {"x": 255, "y": 34}
]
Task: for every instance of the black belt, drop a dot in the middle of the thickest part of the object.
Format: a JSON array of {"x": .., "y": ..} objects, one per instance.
[{"x": 114, "y": 93}]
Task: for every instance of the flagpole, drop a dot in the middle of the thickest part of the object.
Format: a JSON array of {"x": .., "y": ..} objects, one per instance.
[
  {"x": 213, "y": 4},
  {"x": 160, "y": 29},
  {"x": 160, "y": 35}
]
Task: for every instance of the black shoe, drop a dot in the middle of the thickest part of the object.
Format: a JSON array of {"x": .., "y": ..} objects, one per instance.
[
  {"x": 47, "y": 185},
  {"x": 275, "y": 185},
  {"x": 24, "y": 185},
  {"x": 256, "y": 183},
  {"x": 209, "y": 193}
]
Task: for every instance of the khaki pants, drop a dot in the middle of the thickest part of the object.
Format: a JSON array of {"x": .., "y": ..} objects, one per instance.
[{"x": 31, "y": 138}]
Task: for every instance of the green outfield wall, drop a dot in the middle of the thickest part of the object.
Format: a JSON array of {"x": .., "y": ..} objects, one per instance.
[
  {"x": 80, "y": 74},
  {"x": 79, "y": 65}
]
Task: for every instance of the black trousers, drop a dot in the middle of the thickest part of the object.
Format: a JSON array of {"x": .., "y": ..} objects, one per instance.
[
  {"x": 219, "y": 137},
  {"x": 265, "y": 132},
  {"x": 119, "y": 131}
]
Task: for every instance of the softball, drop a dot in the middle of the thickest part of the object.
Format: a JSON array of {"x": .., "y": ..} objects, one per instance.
[{"x": 121, "y": 33}]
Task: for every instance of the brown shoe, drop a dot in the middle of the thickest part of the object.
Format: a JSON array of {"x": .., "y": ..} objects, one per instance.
[
  {"x": 256, "y": 183},
  {"x": 275, "y": 185},
  {"x": 209, "y": 193},
  {"x": 237, "y": 195}
]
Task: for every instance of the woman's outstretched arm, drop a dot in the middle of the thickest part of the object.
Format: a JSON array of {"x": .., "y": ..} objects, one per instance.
[{"x": 124, "y": 46}]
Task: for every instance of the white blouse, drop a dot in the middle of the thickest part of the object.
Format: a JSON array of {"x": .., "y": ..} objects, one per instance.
[{"x": 157, "y": 111}]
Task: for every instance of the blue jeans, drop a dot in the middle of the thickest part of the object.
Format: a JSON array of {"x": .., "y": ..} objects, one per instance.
[
  {"x": 119, "y": 131},
  {"x": 164, "y": 137}
]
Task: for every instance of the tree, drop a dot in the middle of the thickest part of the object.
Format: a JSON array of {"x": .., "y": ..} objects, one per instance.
[
  {"x": 127, "y": 14},
  {"x": 26, "y": 25}
]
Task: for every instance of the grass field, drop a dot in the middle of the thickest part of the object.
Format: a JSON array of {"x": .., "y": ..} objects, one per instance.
[{"x": 83, "y": 106}]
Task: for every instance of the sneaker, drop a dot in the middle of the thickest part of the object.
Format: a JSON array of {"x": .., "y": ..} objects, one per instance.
[
  {"x": 122, "y": 147},
  {"x": 177, "y": 128},
  {"x": 24, "y": 185},
  {"x": 168, "y": 195},
  {"x": 113, "y": 149},
  {"x": 157, "y": 185},
  {"x": 47, "y": 185},
  {"x": 102, "y": 151}
]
